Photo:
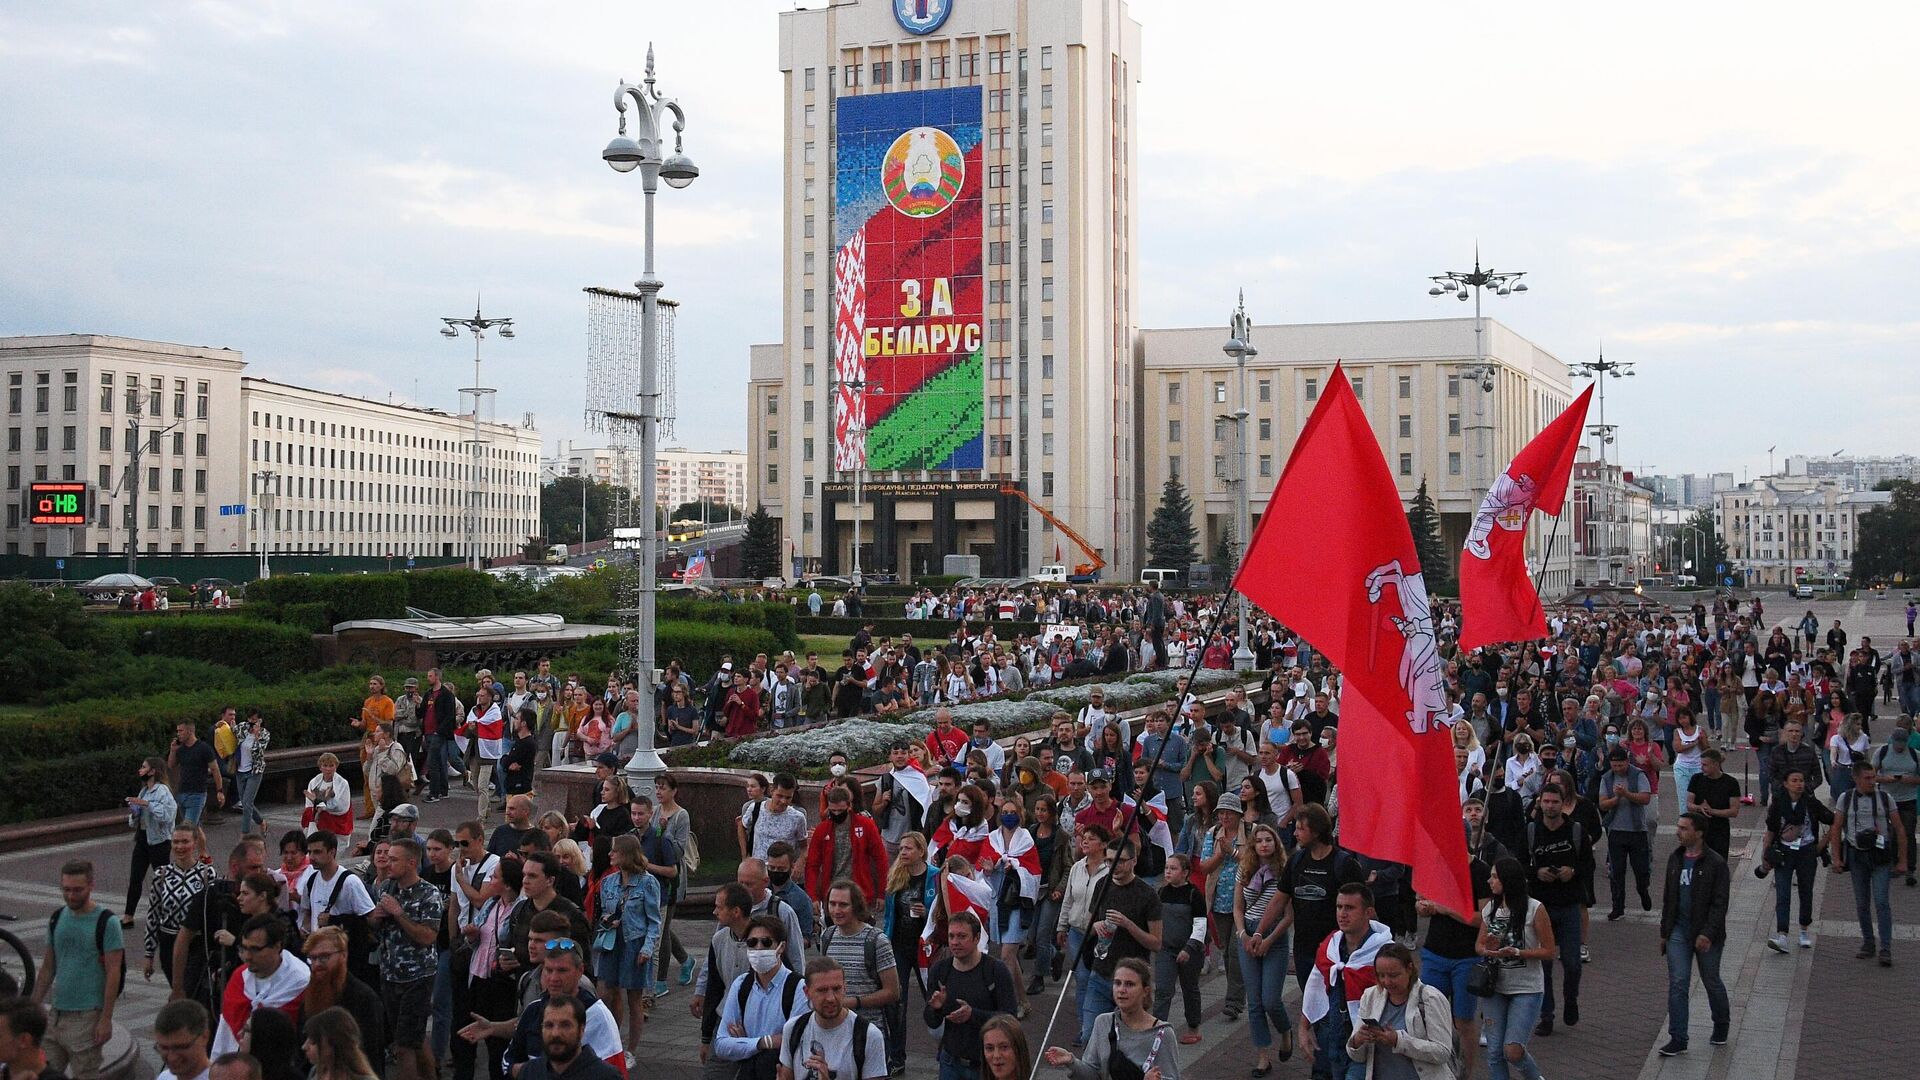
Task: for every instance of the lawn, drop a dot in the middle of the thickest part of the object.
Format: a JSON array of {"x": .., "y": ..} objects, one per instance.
[{"x": 827, "y": 645}]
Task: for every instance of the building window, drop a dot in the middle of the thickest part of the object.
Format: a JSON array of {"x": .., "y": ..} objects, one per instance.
[
  {"x": 1453, "y": 386},
  {"x": 1046, "y": 58},
  {"x": 1406, "y": 427},
  {"x": 1046, "y": 211},
  {"x": 806, "y": 337},
  {"x": 70, "y": 394},
  {"x": 969, "y": 64},
  {"x": 806, "y": 519},
  {"x": 773, "y": 438},
  {"x": 850, "y": 75},
  {"x": 1046, "y": 485},
  {"x": 1453, "y": 423},
  {"x": 1046, "y": 444},
  {"x": 910, "y": 70},
  {"x": 809, "y": 79},
  {"x": 1406, "y": 464},
  {"x": 199, "y": 517},
  {"x": 806, "y": 295},
  {"x": 806, "y": 375},
  {"x": 773, "y": 404},
  {"x": 1313, "y": 389},
  {"x": 1266, "y": 464},
  {"x": 1173, "y": 431},
  {"x": 1405, "y": 387},
  {"x": 40, "y": 438},
  {"x": 1219, "y": 429},
  {"x": 200, "y": 481},
  {"x": 807, "y": 113},
  {"x": 1360, "y": 388},
  {"x": 1046, "y": 249},
  {"x": 106, "y": 393},
  {"x": 1046, "y": 134},
  {"x": 806, "y": 449},
  {"x": 42, "y": 391},
  {"x": 1453, "y": 463},
  {"x": 806, "y": 154},
  {"x": 1046, "y": 406},
  {"x": 1173, "y": 393},
  {"x": 70, "y": 438},
  {"x": 1046, "y": 328},
  {"x": 106, "y": 439},
  {"x": 1266, "y": 429},
  {"x": 1219, "y": 393},
  {"x": 1220, "y": 466},
  {"x": 773, "y": 472},
  {"x": 1046, "y": 172},
  {"x": 1173, "y": 466}
]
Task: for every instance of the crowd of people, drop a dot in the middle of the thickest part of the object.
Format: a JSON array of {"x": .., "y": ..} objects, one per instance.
[{"x": 1122, "y": 858}]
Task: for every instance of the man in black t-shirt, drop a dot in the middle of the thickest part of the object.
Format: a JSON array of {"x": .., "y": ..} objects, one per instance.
[
  {"x": 1311, "y": 884},
  {"x": 1448, "y": 956},
  {"x": 1713, "y": 793},
  {"x": 1127, "y": 924},
  {"x": 195, "y": 767},
  {"x": 1555, "y": 849}
]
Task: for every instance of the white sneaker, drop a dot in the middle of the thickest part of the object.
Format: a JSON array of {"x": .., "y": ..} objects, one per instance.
[
  {"x": 1806, "y": 940},
  {"x": 1778, "y": 943}
]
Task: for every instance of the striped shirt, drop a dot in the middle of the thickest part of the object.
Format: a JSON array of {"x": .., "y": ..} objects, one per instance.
[{"x": 1256, "y": 893}]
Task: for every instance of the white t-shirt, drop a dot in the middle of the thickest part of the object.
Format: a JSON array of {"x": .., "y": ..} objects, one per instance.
[
  {"x": 484, "y": 872},
  {"x": 168, "y": 1074},
  {"x": 789, "y": 825},
  {"x": 1281, "y": 786},
  {"x": 317, "y": 896},
  {"x": 836, "y": 1046}
]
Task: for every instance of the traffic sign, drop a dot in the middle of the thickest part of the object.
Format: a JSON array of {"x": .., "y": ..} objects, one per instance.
[
  {"x": 59, "y": 564},
  {"x": 409, "y": 562},
  {"x": 599, "y": 564},
  {"x": 1719, "y": 568}
]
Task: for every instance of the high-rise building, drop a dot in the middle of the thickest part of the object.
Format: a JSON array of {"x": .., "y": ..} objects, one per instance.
[
  {"x": 218, "y": 461},
  {"x": 681, "y": 475},
  {"x": 960, "y": 284},
  {"x": 1863, "y": 473}
]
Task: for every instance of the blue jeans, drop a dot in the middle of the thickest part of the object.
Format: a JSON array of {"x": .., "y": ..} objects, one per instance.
[
  {"x": 1566, "y": 935},
  {"x": 1510, "y": 1019},
  {"x": 1797, "y": 867},
  {"x": 1265, "y": 978},
  {"x": 249, "y": 785},
  {"x": 952, "y": 1069},
  {"x": 438, "y": 760},
  {"x": 1449, "y": 976},
  {"x": 1082, "y": 977},
  {"x": 443, "y": 1006},
  {"x": 1097, "y": 999},
  {"x": 192, "y": 805},
  {"x": 1870, "y": 898},
  {"x": 1331, "y": 1035},
  {"x": 1681, "y": 957},
  {"x": 1046, "y": 926}
]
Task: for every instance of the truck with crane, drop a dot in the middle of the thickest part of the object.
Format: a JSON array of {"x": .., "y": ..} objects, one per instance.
[{"x": 1085, "y": 572}]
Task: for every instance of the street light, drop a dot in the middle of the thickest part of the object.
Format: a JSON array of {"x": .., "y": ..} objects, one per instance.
[
  {"x": 1457, "y": 283},
  {"x": 263, "y": 492},
  {"x": 643, "y": 152},
  {"x": 1600, "y": 370},
  {"x": 1239, "y": 348},
  {"x": 477, "y": 325},
  {"x": 858, "y": 431}
]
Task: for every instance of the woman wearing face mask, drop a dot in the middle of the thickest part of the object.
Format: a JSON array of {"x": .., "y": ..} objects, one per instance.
[
  {"x": 1012, "y": 864},
  {"x": 964, "y": 832},
  {"x": 1127, "y": 1043},
  {"x": 1646, "y": 755},
  {"x": 1524, "y": 771}
]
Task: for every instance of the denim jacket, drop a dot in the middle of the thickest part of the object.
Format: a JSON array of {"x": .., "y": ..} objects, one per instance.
[
  {"x": 158, "y": 816},
  {"x": 638, "y": 900}
]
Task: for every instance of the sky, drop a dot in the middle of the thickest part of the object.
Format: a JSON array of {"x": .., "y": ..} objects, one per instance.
[{"x": 1726, "y": 195}]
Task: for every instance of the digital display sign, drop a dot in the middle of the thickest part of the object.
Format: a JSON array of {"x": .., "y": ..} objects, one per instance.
[
  {"x": 908, "y": 335},
  {"x": 58, "y": 503}
]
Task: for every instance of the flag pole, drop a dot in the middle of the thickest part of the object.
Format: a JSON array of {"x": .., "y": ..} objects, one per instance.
[
  {"x": 1547, "y": 559},
  {"x": 1129, "y": 818}
]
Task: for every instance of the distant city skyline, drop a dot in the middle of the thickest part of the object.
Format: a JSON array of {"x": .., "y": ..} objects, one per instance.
[{"x": 317, "y": 186}]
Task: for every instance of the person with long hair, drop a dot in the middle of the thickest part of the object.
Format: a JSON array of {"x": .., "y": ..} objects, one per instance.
[
  {"x": 610, "y": 817},
  {"x": 596, "y": 730},
  {"x": 1845, "y": 747},
  {"x": 1003, "y": 1050},
  {"x": 334, "y": 1047},
  {"x": 627, "y": 935},
  {"x": 490, "y": 987},
  {"x": 1400, "y": 1015},
  {"x": 676, "y": 824},
  {"x": 1515, "y": 932},
  {"x": 1111, "y": 754},
  {"x": 272, "y": 1039},
  {"x": 152, "y": 814},
  {"x": 1015, "y": 895},
  {"x": 1261, "y": 920},
  {"x": 1054, "y": 845},
  {"x": 1129, "y": 1041},
  {"x": 1257, "y": 808},
  {"x": 910, "y": 889}
]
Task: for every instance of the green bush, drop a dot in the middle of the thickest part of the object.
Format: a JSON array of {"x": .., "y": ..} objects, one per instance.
[
  {"x": 47, "y": 637},
  {"x": 697, "y": 645},
  {"x": 921, "y": 629},
  {"x": 35, "y": 788},
  {"x": 452, "y": 593},
  {"x": 117, "y": 674},
  {"x": 776, "y": 619},
  {"x": 313, "y": 616},
  {"x": 265, "y": 650}
]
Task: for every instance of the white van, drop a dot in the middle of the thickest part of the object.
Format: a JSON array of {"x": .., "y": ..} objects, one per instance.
[
  {"x": 1056, "y": 573},
  {"x": 1166, "y": 579}
]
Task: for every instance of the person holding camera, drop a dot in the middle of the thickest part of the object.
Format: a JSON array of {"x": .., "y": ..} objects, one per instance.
[{"x": 1869, "y": 841}]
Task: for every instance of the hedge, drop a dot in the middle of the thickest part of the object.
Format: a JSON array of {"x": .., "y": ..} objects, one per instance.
[
  {"x": 111, "y": 676},
  {"x": 697, "y": 645},
  {"x": 32, "y": 789},
  {"x": 921, "y": 629},
  {"x": 268, "y": 651},
  {"x": 777, "y": 619}
]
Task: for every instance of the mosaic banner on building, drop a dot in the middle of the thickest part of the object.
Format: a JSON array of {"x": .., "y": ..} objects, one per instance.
[{"x": 909, "y": 333}]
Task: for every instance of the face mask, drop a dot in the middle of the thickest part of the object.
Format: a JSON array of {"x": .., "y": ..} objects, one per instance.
[
  {"x": 981, "y": 744},
  {"x": 763, "y": 960},
  {"x": 1569, "y": 742},
  {"x": 1612, "y": 738},
  {"x": 838, "y": 769},
  {"x": 1011, "y": 821},
  {"x": 837, "y": 815},
  {"x": 962, "y": 809},
  {"x": 779, "y": 878}
]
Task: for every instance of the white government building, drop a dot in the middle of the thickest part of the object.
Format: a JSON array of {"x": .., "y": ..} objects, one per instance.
[{"x": 231, "y": 462}]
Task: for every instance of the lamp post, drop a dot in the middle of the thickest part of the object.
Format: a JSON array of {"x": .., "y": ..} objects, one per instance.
[
  {"x": 263, "y": 495},
  {"x": 858, "y": 430},
  {"x": 645, "y": 152},
  {"x": 141, "y": 440},
  {"x": 1239, "y": 348},
  {"x": 1600, "y": 370},
  {"x": 1457, "y": 283},
  {"x": 477, "y": 325}
]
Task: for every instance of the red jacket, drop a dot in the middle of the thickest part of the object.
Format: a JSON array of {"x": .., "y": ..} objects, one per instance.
[{"x": 869, "y": 859}]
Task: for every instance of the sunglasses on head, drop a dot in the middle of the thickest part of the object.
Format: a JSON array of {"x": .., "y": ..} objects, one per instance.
[{"x": 565, "y": 944}]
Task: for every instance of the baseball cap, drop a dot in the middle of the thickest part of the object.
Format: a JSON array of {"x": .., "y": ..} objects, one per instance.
[
  {"x": 609, "y": 759},
  {"x": 405, "y": 810},
  {"x": 1099, "y": 776}
]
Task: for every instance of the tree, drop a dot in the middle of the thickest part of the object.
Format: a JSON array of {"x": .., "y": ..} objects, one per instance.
[
  {"x": 49, "y": 637},
  {"x": 560, "y": 509},
  {"x": 1889, "y": 537},
  {"x": 717, "y": 512},
  {"x": 1436, "y": 562},
  {"x": 1172, "y": 540},
  {"x": 1226, "y": 556},
  {"x": 760, "y": 550},
  {"x": 1713, "y": 550}
]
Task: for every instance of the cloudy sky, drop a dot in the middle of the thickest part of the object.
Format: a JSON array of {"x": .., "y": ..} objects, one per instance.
[{"x": 1726, "y": 194}]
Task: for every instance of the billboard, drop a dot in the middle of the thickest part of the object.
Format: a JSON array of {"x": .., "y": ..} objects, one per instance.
[{"x": 909, "y": 332}]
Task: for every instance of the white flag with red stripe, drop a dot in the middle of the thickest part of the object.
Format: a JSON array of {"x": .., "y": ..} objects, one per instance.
[
  {"x": 486, "y": 728},
  {"x": 957, "y": 838},
  {"x": 963, "y": 894},
  {"x": 1019, "y": 855},
  {"x": 1155, "y": 826},
  {"x": 247, "y": 992}
]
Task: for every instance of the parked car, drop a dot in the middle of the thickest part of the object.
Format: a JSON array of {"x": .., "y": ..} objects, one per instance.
[
  {"x": 208, "y": 584},
  {"x": 1803, "y": 591}
]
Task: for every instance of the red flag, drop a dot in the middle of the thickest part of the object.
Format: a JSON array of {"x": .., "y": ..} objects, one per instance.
[
  {"x": 1333, "y": 559},
  {"x": 1497, "y": 599}
]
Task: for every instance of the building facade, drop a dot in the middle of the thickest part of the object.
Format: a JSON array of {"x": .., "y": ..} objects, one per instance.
[
  {"x": 1613, "y": 533},
  {"x": 1862, "y": 473},
  {"x": 1409, "y": 376},
  {"x": 1783, "y": 528},
  {"x": 959, "y": 272},
  {"x": 186, "y": 453},
  {"x": 681, "y": 475}
]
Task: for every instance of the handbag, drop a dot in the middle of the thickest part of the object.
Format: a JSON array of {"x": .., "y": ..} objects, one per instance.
[
  {"x": 1484, "y": 978},
  {"x": 690, "y": 858}
]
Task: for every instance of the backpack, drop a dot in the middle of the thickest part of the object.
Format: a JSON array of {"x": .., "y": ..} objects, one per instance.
[
  {"x": 1579, "y": 839},
  {"x": 99, "y": 941},
  {"x": 797, "y": 1027},
  {"x": 787, "y": 993}
]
